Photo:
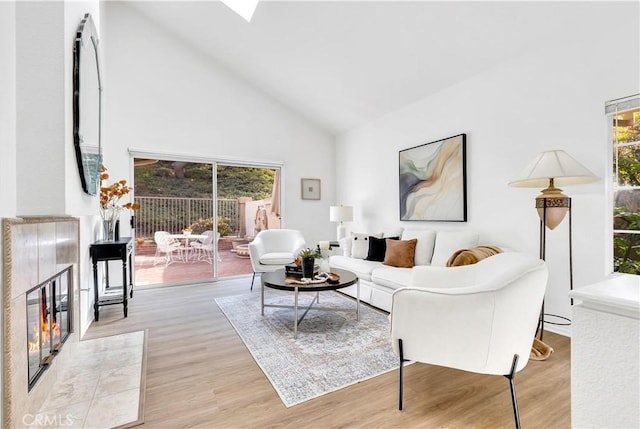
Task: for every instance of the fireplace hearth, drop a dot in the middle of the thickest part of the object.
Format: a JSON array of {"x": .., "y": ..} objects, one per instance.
[{"x": 48, "y": 322}]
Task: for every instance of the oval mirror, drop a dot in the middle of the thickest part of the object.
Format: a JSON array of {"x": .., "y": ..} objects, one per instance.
[{"x": 87, "y": 105}]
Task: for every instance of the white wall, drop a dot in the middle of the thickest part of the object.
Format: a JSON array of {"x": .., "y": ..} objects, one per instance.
[
  {"x": 552, "y": 98},
  {"x": 164, "y": 96},
  {"x": 7, "y": 110},
  {"x": 38, "y": 170},
  {"x": 7, "y": 127},
  {"x": 40, "y": 102}
]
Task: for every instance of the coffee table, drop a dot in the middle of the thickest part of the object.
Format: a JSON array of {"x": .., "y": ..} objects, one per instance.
[{"x": 276, "y": 280}]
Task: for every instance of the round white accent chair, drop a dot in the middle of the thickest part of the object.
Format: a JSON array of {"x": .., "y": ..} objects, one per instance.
[
  {"x": 272, "y": 249},
  {"x": 480, "y": 318}
]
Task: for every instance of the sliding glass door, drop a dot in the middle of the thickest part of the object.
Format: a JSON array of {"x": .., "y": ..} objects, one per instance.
[
  {"x": 248, "y": 201},
  {"x": 186, "y": 232}
]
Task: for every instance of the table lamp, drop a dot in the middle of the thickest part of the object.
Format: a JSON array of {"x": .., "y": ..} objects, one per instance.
[{"x": 340, "y": 214}]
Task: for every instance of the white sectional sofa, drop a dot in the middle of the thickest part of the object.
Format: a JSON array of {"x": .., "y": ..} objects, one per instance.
[{"x": 378, "y": 281}]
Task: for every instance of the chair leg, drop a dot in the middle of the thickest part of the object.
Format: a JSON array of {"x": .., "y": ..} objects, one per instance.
[
  {"x": 252, "y": 279},
  {"x": 512, "y": 386},
  {"x": 400, "y": 377}
]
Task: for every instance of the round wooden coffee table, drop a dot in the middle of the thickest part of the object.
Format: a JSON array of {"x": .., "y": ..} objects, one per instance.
[{"x": 278, "y": 280}]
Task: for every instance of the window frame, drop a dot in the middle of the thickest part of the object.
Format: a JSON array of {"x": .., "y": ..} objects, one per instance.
[{"x": 612, "y": 108}]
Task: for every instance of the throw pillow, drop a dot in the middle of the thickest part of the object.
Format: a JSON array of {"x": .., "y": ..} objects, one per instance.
[
  {"x": 448, "y": 242},
  {"x": 471, "y": 256},
  {"x": 360, "y": 244},
  {"x": 378, "y": 248},
  {"x": 400, "y": 253},
  {"x": 392, "y": 232},
  {"x": 424, "y": 248}
]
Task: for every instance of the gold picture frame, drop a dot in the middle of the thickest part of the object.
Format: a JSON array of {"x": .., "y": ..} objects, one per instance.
[{"x": 310, "y": 189}]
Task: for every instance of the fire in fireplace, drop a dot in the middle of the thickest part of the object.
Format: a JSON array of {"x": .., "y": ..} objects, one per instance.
[{"x": 48, "y": 322}]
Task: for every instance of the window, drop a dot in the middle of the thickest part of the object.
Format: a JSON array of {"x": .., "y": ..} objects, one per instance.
[{"x": 623, "y": 116}]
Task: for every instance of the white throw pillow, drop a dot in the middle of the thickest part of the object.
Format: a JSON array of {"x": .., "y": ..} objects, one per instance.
[
  {"x": 448, "y": 242},
  {"x": 360, "y": 244},
  {"x": 424, "y": 247},
  {"x": 392, "y": 232}
]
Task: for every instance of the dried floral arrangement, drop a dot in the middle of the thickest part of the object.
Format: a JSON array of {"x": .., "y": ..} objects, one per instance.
[{"x": 110, "y": 195}]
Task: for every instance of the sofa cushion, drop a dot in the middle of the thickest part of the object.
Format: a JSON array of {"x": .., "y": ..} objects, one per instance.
[
  {"x": 360, "y": 244},
  {"x": 448, "y": 242},
  {"x": 378, "y": 248},
  {"x": 361, "y": 267},
  {"x": 276, "y": 258},
  {"x": 424, "y": 247},
  {"x": 472, "y": 256},
  {"x": 392, "y": 277},
  {"x": 392, "y": 232},
  {"x": 400, "y": 253}
]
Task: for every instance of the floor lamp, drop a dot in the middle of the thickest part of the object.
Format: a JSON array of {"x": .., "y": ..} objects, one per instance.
[{"x": 549, "y": 169}]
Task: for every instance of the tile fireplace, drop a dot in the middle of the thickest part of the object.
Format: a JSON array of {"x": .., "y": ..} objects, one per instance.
[
  {"x": 39, "y": 295},
  {"x": 48, "y": 322}
]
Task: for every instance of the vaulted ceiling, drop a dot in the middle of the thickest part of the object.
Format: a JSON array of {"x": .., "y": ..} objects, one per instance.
[{"x": 342, "y": 64}]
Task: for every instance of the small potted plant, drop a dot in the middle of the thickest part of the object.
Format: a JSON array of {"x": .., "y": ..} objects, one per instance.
[{"x": 308, "y": 256}]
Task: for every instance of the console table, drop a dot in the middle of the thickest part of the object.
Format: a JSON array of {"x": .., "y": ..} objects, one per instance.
[{"x": 118, "y": 250}]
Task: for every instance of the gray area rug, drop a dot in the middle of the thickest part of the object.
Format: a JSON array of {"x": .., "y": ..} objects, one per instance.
[{"x": 333, "y": 350}]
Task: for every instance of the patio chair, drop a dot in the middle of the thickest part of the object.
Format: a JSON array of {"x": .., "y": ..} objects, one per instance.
[
  {"x": 204, "y": 247},
  {"x": 272, "y": 249},
  {"x": 168, "y": 247}
]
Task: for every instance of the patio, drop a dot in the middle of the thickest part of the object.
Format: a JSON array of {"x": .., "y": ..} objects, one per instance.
[{"x": 230, "y": 264}]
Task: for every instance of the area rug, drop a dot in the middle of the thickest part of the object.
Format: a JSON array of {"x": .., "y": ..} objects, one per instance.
[{"x": 333, "y": 349}]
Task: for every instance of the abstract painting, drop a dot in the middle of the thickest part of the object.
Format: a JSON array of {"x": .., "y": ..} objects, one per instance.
[{"x": 433, "y": 181}]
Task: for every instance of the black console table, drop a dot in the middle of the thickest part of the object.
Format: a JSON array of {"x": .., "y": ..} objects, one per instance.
[{"x": 118, "y": 250}]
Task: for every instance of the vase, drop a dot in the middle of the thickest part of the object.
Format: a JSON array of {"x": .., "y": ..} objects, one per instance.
[
  {"x": 324, "y": 266},
  {"x": 307, "y": 267},
  {"x": 110, "y": 217}
]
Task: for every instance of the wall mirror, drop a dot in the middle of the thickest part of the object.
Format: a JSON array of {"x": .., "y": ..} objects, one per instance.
[{"x": 87, "y": 105}]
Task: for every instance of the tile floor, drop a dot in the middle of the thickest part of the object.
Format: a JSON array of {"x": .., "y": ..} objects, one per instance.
[{"x": 101, "y": 385}]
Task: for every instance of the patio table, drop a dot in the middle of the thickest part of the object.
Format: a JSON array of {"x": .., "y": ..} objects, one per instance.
[{"x": 186, "y": 237}]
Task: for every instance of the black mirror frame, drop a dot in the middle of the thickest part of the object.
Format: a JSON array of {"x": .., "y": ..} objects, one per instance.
[{"x": 86, "y": 34}]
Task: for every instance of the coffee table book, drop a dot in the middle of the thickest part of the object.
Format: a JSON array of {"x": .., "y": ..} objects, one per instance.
[{"x": 294, "y": 270}]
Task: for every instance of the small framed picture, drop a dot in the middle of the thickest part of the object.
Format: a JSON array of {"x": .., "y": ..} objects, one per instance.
[{"x": 310, "y": 189}]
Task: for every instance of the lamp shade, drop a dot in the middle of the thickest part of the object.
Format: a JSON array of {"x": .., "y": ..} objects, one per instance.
[
  {"x": 554, "y": 164},
  {"x": 548, "y": 169},
  {"x": 244, "y": 8},
  {"x": 340, "y": 213}
]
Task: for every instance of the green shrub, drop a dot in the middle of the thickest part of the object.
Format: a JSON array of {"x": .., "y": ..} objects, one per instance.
[
  {"x": 202, "y": 225},
  {"x": 224, "y": 226}
]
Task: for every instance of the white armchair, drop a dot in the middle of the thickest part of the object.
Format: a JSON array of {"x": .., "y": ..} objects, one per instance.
[
  {"x": 272, "y": 249},
  {"x": 480, "y": 318}
]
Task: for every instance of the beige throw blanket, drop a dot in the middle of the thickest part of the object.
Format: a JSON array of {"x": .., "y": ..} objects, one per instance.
[{"x": 539, "y": 350}]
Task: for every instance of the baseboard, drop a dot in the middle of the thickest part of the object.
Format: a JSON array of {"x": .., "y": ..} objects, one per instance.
[{"x": 563, "y": 330}]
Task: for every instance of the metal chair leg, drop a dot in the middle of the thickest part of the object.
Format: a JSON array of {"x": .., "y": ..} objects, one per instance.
[
  {"x": 400, "y": 378},
  {"x": 512, "y": 386},
  {"x": 252, "y": 279}
]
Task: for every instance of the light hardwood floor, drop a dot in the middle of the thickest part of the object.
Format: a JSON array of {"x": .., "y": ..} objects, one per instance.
[{"x": 199, "y": 374}]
